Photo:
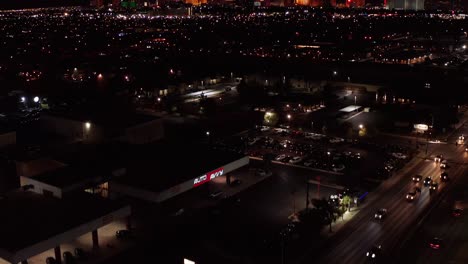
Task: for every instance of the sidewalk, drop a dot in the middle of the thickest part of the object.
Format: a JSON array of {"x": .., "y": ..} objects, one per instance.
[{"x": 339, "y": 223}]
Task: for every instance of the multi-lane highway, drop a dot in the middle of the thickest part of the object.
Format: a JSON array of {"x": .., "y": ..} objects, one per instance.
[
  {"x": 443, "y": 224},
  {"x": 362, "y": 232}
]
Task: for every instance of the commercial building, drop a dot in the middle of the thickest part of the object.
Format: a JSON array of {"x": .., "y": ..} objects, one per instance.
[
  {"x": 172, "y": 170},
  {"x": 406, "y": 4},
  {"x": 100, "y": 127},
  {"x": 61, "y": 221}
]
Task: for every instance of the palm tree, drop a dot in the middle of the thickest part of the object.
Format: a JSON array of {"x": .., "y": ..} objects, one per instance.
[{"x": 346, "y": 201}]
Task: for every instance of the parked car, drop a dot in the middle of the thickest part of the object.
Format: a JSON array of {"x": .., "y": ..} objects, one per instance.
[
  {"x": 80, "y": 254},
  {"x": 296, "y": 160},
  {"x": 51, "y": 260},
  {"x": 216, "y": 195},
  {"x": 262, "y": 172},
  {"x": 68, "y": 257},
  {"x": 235, "y": 182},
  {"x": 338, "y": 167},
  {"x": 280, "y": 157},
  {"x": 123, "y": 234}
]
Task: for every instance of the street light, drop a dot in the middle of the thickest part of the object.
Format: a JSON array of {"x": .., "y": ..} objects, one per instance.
[
  {"x": 289, "y": 117},
  {"x": 23, "y": 99},
  {"x": 335, "y": 73},
  {"x": 36, "y": 99},
  {"x": 361, "y": 126},
  {"x": 208, "y": 133}
]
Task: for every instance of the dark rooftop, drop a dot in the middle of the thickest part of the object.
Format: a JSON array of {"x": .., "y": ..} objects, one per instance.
[
  {"x": 118, "y": 119},
  {"x": 29, "y": 218},
  {"x": 160, "y": 166},
  {"x": 69, "y": 175}
]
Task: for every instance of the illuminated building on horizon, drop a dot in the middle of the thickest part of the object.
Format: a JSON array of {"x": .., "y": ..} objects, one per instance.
[{"x": 406, "y": 4}]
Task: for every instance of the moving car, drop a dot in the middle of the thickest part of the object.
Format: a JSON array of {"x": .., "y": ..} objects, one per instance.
[
  {"x": 381, "y": 213},
  {"x": 427, "y": 181},
  {"x": 444, "y": 177},
  {"x": 374, "y": 252},
  {"x": 411, "y": 196},
  {"x": 438, "y": 158},
  {"x": 436, "y": 243},
  {"x": 443, "y": 164},
  {"x": 417, "y": 178},
  {"x": 457, "y": 212}
]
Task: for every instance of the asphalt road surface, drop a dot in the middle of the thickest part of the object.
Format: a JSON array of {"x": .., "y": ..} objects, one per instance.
[
  {"x": 362, "y": 232},
  {"x": 441, "y": 223}
]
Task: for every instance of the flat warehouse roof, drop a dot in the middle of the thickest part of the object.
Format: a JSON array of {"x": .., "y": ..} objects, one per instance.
[
  {"x": 159, "y": 166},
  {"x": 350, "y": 108},
  {"x": 33, "y": 223}
]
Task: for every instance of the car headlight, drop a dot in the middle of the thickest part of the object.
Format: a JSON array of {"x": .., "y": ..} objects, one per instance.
[{"x": 373, "y": 255}]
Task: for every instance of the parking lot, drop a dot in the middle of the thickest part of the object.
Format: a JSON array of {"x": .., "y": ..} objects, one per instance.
[{"x": 356, "y": 161}]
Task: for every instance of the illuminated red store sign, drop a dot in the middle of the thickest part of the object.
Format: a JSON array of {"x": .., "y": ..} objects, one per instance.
[{"x": 208, "y": 177}]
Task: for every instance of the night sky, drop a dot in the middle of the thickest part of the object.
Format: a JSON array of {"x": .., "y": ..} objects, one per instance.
[{"x": 11, "y": 4}]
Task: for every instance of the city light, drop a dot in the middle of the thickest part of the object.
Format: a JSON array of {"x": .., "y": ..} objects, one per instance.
[
  {"x": 87, "y": 125},
  {"x": 23, "y": 99},
  {"x": 36, "y": 99}
]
